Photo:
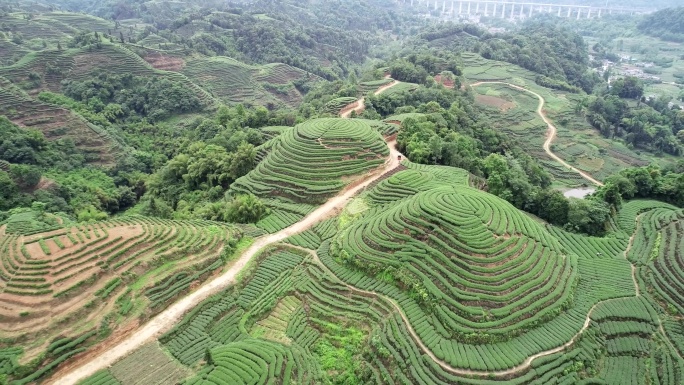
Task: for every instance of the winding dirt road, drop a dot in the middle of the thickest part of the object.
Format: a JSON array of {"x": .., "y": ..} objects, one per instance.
[
  {"x": 169, "y": 317},
  {"x": 164, "y": 321},
  {"x": 628, "y": 249},
  {"x": 359, "y": 105},
  {"x": 550, "y": 134},
  {"x": 462, "y": 372}
]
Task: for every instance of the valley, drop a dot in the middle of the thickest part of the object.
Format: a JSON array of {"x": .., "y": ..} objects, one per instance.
[{"x": 365, "y": 192}]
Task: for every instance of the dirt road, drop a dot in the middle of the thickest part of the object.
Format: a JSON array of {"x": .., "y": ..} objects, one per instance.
[
  {"x": 550, "y": 134},
  {"x": 461, "y": 372},
  {"x": 630, "y": 244},
  {"x": 169, "y": 317},
  {"x": 359, "y": 105}
]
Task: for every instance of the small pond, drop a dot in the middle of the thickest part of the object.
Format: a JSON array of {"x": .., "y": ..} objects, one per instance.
[{"x": 579, "y": 192}]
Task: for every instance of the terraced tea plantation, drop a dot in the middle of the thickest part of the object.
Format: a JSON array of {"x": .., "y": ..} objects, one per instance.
[
  {"x": 424, "y": 280},
  {"x": 514, "y": 112},
  {"x": 235, "y": 82},
  {"x": 473, "y": 275},
  {"x": 315, "y": 160},
  {"x": 336, "y": 105},
  {"x": 84, "y": 280},
  {"x": 483, "y": 266},
  {"x": 303, "y": 166},
  {"x": 365, "y": 268},
  {"x": 259, "y": 332},
  {"x": 57, "y": 123}
]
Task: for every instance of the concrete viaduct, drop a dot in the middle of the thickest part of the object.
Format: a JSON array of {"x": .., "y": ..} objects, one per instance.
[{"x": 517, "y": 10}]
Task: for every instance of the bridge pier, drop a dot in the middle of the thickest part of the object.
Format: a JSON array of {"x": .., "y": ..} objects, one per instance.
[{"x": 499, "y": 8}]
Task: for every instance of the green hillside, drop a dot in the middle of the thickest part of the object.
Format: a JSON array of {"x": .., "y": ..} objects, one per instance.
[
  {"x": 337, "y": 312},
  {"x": 666, "y": 24},
  {"x": 484, "y": 265},
  {"x": 314, "y": 160},
  {"x": 338, "y": 192},
  {"x": 234, "y": 82}
]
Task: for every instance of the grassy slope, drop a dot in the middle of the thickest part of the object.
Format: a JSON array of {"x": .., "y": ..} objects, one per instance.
[{"x": 577, "y": 142}]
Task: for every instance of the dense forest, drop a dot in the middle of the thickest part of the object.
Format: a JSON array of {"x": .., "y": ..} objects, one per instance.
[
  {"x": 667, "y": 24},
  {"x": 653, "y": 125},
  {"x": 556, "y": 53}
]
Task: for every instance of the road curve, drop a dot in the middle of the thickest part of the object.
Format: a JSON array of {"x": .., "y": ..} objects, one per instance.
[
  {"x": 169, "y": 317},
  {"x": 165, "y": 320},
  {"x": 550, "y": 134},
  {"x": 359, "y": 105},
  {"x": 497, "y": 373},
  {"x": 463, "y": 372}
]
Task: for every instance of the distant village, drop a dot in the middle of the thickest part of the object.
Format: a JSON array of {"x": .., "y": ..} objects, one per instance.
[{"x": 627, "y": 67}]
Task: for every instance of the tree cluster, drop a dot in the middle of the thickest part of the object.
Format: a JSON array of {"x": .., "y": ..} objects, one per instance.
[
  {"x": 644, "y": 182},
  {"x": 117, "y": 97},
  {"x": 667, "y": 24},
  {"x": 545, "y": 48},
  {"x": 192, "y": 184},
  {"x": 420, "y": 68},
  {"x": 652, "y": 125}
]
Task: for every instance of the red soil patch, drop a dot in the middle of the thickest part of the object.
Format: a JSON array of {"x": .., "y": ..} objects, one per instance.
[
  {"x": 166, "y": 63},
  {"x": 355, "y": 106},
  {"x": 43, "y": 184},
  {"x": 60, "y": 274},
  {"x": 52, "y": 246},
  {"x": 492, "y": 101},
  {"x": 448, "y": 83},
  {"x": 35, "y": 251}
]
